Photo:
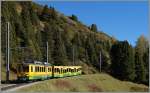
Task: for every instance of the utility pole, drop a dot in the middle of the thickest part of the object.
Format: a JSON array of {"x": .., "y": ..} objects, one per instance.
[
  {"x": 47, "y": 50},
  {"x": 73, "y": 54},
  {"x": 100, "y": 62},
  {"x": 7, "y": 53}
]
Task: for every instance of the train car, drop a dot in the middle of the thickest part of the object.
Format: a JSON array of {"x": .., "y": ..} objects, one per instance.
[
  {"x": 32, "y": 71},
  {"x": 65, "y": 71}
]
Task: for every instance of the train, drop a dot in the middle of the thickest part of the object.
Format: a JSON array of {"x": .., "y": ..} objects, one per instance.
[{"x": 42, "y": 71}]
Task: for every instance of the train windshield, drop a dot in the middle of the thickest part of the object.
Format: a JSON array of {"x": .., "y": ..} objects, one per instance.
[{"x": 23, "y": 68}]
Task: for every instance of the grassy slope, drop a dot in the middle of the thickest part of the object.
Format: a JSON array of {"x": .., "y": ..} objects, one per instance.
[{"x": 86, "y": 83}]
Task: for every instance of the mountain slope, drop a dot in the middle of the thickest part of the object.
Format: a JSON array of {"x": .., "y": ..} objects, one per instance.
[{"x": 33, "y": 25}]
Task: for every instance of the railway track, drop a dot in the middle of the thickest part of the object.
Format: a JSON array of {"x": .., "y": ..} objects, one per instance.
[
  {"x": 14, "y": 87},
  {"x": 11, "y": 86}
]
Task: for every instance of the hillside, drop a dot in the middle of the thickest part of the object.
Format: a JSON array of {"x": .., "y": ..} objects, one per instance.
[
  {"x": 86, "y": 83},
  {"x": 33, "y": 25}
]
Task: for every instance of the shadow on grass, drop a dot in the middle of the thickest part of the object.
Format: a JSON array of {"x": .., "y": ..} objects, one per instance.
[
  {"x": 12, "y": 82},
  {"x": 139, "y": 89}
]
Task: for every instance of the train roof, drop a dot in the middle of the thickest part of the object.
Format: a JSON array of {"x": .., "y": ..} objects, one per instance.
[
  {"x": 35, "y": 63},
  {"x": 38, "y": 63}
]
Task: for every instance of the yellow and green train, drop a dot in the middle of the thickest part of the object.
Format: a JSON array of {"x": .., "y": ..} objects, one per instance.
[{"x": 32, "y": 71}]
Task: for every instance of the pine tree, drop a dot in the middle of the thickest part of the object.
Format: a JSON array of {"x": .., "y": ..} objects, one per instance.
[
  {"x": 90, "y": 47},
  {"x": 140, "y": 50},
  {"x": 94, "y": 28},
  {"x": 74, "y": 17},
  {"x": 45, "y": 13},
  {"x": 122, "y": 61},
  {"x": 146, "y": 60}
]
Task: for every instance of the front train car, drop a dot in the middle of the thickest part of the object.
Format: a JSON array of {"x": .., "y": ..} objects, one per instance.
[{"x": 34, "y": 71}]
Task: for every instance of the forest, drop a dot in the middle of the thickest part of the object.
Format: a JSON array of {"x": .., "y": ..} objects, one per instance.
[{"x": 70, "y": 42}]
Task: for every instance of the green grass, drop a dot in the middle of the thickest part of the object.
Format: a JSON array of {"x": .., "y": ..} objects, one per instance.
[{"x": 85, "y": 83}]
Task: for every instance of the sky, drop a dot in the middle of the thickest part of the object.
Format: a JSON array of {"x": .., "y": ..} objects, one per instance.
[{"x": 122, "y": 20}]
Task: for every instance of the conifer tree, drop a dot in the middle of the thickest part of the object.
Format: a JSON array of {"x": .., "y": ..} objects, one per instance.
[
  {"x": 45, "y": 13},
  {"x": 140, "y": 59},
  {"x": 74, "y": 17},
  {"x": 94, "y": 28},
  {"x": 122, "y": 61}
]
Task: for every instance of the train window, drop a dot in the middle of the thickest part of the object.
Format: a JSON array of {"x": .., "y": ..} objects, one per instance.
[
  {"x": 49, "y": 69},
  {"x": 36, "y": 69},
  {"x": 25, "y": 68},
  {"x": 31, "y": 69},
  {"x": 40, "y": 69},
  {"x": 57, "y": 70}
]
